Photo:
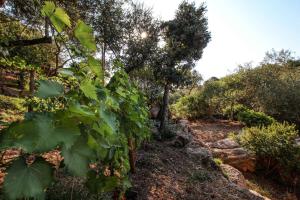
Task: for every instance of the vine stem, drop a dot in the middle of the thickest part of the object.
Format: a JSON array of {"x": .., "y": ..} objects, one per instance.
[
  {"x": 72, "y": 190},
  {"x": 132, "y": 155}
]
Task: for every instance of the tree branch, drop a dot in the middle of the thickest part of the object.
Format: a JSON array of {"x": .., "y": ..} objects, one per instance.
[{"x": 43, "y": 40}]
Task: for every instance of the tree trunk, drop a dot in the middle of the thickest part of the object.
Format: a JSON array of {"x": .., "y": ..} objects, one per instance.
[
  {"x": 47, "y": 25},
  {"x": 31, "y": 88},
  {"x": 164, "y": 110},
  {"x": 132, "y": 155},
  {"x": 103, "y": 60}
]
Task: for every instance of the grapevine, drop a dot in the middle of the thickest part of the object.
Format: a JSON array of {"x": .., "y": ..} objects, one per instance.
[{"x": 95, "y": 125}]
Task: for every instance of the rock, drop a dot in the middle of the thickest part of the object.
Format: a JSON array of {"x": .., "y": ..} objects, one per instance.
[
  {"x": 154, "y": 111},
  {"x": 181, "y": 141},
  {"x": 224, "y": 144},
  {"x": 200, "y": 153},
  {"x": 259, "y": 195},
  {"x": 184, "y": 125},
  {"x": 237, "y": 157},
  {"x": 234, "y": 175}
]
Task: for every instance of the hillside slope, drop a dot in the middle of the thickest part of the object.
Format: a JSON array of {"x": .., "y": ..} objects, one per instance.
[{"x": 170, "y": 170}]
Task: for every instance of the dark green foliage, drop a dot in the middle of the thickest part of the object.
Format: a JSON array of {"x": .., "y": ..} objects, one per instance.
[
  {"x": 27, "y": 180},
  {"x": 231, "y": 112},
  {"x": 275, "y": 142},
  {"x": 271, "y": 88},
  {"x": 192, "y": 106},
  {"x": 201, "y": 176},
  {"x": 252, "y": 118},
  {"x": 185, "y": 38}
]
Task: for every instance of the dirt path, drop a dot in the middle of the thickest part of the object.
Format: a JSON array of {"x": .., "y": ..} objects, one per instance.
[{"x": 168, "y": 172}]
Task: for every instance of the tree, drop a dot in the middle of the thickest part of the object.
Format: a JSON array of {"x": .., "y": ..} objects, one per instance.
[
  {"x": 107, "y": 17},
  {"x": 185, "y": 38},
  {"x": 194, "y": 80}
]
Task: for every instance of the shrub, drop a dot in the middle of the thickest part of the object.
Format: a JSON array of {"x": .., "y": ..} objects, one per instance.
[
  {"x": 201, "y": 176},
  {"x": 232, "y": 112},
  {"x": 218, "y": 161},
  {"x": 252, "y": 118},
  {"x": 11, "y": 103},
  {"x": 275, "y": 143},
  {"x": 192, "y": 106}
]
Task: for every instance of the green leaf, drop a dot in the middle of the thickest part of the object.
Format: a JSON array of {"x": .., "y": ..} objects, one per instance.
[
  {"x": 49, "y": 89},
  {"x": 95, "y": 66},
  {"x": 57, "y": 16},
  {"x": 100, "y": 183},
  {"x": 60, "y": 19},
  {"x": 27, "y": 181},
  {"x": 108, "y": 118},
  {"x": 96, "y": 144},
  {"x": 78, "y": 157},
  {"x": 89, "y": 89},
  {"x": 84, "y": 34},
  {"x": 40, "y": 134},
  {"x": 66, "y": 72},
  {"x": 81, "y": 111},
  {"x": 48, "y": 8}
]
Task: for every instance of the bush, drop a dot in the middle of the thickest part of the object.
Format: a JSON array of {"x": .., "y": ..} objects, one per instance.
[
  {"x": 11, "y": 103},
  {"x": 192, "y": 106},
  {"x": 232, "y": 112},
  {"x": 275, "y": 143},
  {"x": 252, "y": 118}
]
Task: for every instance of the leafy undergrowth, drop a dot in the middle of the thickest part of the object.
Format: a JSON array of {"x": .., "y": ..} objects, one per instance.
[{"x": 11, "y": 109}]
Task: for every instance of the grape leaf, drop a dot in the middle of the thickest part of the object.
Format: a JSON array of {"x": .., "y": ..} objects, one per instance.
[
  {"x": 66, "y": 72},
  {"x": 89, "y": 89},
  {"x": 100, "y": 183},
  {"x": 77, "y": 157},
  {"x": 48, "y": 8},
  {"x": 84, "y": 34},
  {"x": 57, "y": 16},
  {"x": 108, "y": 118},
  {"x": 49, "y": 89},
  {"x": 95, "y": 66},
  {"x": 27, "y": 181},
  {"x": 60, "y": 19},
  {"x": 40, "y": 134}
]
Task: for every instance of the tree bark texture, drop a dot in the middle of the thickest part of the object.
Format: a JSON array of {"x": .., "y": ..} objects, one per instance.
[{"x": 165, "y": 105}]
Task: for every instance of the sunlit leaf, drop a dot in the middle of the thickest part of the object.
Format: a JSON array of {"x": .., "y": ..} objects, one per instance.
[
  {"x": 60, "y": 19},
  {"x": 48, "y": 9},
  {"x": 57, "y": 16},
  {"x": 88, "y": 89},
  {"x": 95, "y": 66},
  {"x": 84, "y": 34}
]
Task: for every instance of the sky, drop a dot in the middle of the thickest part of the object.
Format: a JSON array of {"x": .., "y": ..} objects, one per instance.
[{"x": 241, "y": 30}]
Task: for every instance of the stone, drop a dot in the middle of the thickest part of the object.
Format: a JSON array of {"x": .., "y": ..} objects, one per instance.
[
  {"x": 237, "y": 157},
  {"x": 184, "y": 124},
  {"x": 224, "y": 144},
  {"x": 259, "y": 195},
  {"x": 234, "y": 175},
  {"x": 181, "y": 141},
  {"x": 200, "y": 153}
]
